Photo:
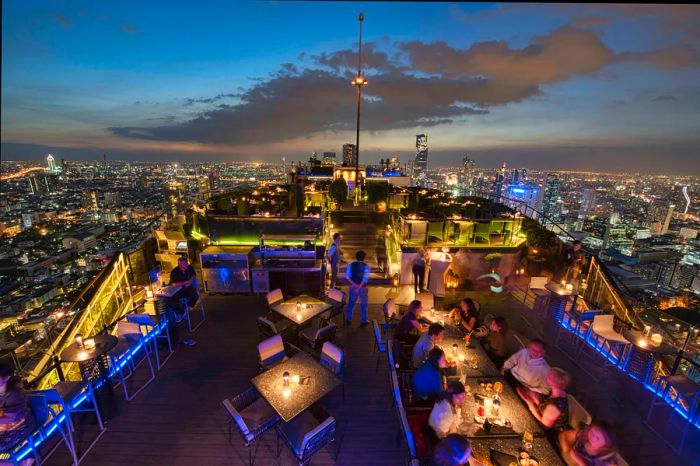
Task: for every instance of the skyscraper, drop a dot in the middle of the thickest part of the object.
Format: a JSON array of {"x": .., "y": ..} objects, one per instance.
[
  {"x": 588, "y": 199},
  {"x": 497, "y": 187},
  {"x": 329, "y": 159},
  {"x": 51, "y": 164},
  {"x": 421, "y": 162},
  {"x": 174, "y": 199},
  {"x": 349, "y": 155},
  {"x": 551, "y": 197},
  {"x": 660, "y": 214}
]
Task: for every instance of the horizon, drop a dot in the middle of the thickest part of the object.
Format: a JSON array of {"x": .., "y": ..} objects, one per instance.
[{"x": 574, "y": 87}]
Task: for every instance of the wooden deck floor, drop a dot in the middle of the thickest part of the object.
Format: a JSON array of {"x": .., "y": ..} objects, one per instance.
[{"x": 178, "y": 419}]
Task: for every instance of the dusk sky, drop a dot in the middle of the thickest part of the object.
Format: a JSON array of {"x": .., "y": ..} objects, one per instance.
[{"x": 567, "y": 86}]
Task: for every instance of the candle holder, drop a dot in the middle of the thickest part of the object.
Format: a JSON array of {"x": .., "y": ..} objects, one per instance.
[
  {"x": 89, "y": 344},
  {"x": 285, "y": 378},
  {"x": 79, "y": 340}
]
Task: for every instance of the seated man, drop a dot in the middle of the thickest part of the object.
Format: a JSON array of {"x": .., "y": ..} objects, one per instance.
[
  {"x": 183, "y": 275},
  {"x": 426, "y": 342},
  {"x": 428, "y": 381},
  {"x": 527, "y": 370}
]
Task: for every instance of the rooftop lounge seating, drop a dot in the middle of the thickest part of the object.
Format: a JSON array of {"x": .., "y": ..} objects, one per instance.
[
  {"x": 148, "y": 322},
  {"x": 337, "y": 299},
  {"x": 307, "y": 433},
  {"x": 333, "y": 359},
  {"x": 252, "y": 415},
  {"x": 271, "y": 352},
  {"x": 315, "y": 337},
  {"x": 380, "y": 344},
  {"x": 130, "y": 342}
]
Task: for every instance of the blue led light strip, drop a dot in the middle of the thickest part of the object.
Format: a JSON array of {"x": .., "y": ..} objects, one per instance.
[{"x": 44, "y": 434}]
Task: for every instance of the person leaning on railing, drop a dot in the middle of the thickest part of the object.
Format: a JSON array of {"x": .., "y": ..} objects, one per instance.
[{"x": 16, "y": 420}]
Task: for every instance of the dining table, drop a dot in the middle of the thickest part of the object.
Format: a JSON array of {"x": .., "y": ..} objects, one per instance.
[
  {"x": 301, "y": 309},
  {"x": 294, "y": 385}
]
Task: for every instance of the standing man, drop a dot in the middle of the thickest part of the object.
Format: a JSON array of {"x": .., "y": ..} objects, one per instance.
[
  {"x": 183, "y": 275},
  {"x": 358, "y": 275},
  {"x": 333, "y": 256}
]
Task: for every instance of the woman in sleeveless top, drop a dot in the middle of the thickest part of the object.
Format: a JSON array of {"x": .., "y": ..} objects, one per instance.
[{"x": 553, "y": 411}]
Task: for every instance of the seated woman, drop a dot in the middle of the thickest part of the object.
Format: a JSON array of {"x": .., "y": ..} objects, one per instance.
[
  {"x": 553, "y": 410},
  {"x": 453, "y": 450},
  {"x": 444, "y": 418},
  {"x": 408, "y": 329},
  {"x": 428, "y": 381},
  {"x": 495, "y": 341},
  {"x": 16, "y": 420},
  {"x": 466, "y": 314},
  {"x": 594, "y": 445}
]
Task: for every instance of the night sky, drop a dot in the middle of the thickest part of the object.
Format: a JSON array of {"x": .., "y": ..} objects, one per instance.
[{"x": 602, "y": 88}]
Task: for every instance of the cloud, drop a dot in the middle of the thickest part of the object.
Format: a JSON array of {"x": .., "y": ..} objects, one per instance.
[
  {"x": 590, "y": 21},
  {"x": 62, "y": 20},
  {"x": 129, "y": 28},
  {"x": 410, "y": 84},
  {"x": 558, "y": 56},
  {"x": 664, "y": 98}
]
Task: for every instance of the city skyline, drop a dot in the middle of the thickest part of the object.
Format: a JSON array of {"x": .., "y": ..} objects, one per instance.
[{"x": 476, "y": 78}]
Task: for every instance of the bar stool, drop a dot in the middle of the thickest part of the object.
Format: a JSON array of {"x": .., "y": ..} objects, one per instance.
[
  {"x": 131, "y": 340},
  {"x": 571, "y": 325},
  {"x": 198, "y": 304},
  {"x": 685, "y": 390},
  {"x": 150, "y": 323}
]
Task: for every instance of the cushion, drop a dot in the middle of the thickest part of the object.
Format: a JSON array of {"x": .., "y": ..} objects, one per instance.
[
  {"x": 335, "y": 295},
  {"x": 271, "y": 347},
  {"x": 333, "y": 352},
  {"x": 274, "y": 296},
  {"x": 68, "y": 391},
  {"x": 257, "y": 413}
]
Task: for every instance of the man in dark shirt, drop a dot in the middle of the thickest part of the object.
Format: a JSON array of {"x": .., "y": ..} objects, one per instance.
[
  {"x": 408, "y": 329},
  {"x": 183, "y": 275}
]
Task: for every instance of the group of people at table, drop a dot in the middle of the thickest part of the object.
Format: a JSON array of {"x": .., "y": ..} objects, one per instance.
[{"x": 541, "y": 387}]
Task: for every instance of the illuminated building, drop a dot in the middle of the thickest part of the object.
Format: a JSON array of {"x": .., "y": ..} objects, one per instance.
[
  {"x": 588, "y": 199},
  {"x": 174, "y": 198},
  {"x": 660, "y": 214},
  {"x": 550, "y": 199},
  {"x": 349, "y": 155},
  {"x": 420, "y": 165},
  {"x": 51, "y": 166},
  {"x": 497, "y": 187},
  {"x": 329, "y": 159}
]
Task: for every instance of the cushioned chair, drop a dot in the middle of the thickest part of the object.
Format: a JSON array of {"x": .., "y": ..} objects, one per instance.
[
  {"x": 335, "y": 298},
  {"x": 147, "y": 324},
  {"x": 679, "y": 392},
  {"x": 271, "y": 352},
  {"x": 307, "y": 433},
  {"x": 314, "y": 338},
  {"x": 130, "y": 342},
  {"x": 75, "y": 397},
  {"x": 333, "y": 359},
  {"x": 252, "y": 415},
  {"x": 274, "y": 298},
  {"x": 379, "y": 343},
  {"x": 578, "y": 416},
  {"x": 267, "y": 328},
  {"x": 407, "y": 436}
]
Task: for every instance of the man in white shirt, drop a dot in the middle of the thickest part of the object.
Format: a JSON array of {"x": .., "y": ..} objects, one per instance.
[
  {"x": 358, "y": 276},
  {"x": 426, "y": 342},
  {"x": 529, "y": 369},
  {"x": 445, "y": 416}
]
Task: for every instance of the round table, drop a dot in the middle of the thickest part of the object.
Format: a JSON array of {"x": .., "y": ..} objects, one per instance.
[
  {"x": 642, "y": 353},
  {"x": 94, "y": 369}
]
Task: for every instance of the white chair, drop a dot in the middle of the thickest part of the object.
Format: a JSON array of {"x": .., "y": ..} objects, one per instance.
[
  {"x": 379, "y": 343},
  {"x": 314, "y": 337},
  {"x": 427, "y": 299},
  {"x": 604, "y": 337},
  {"x": 148, "y": 323},
  {"x": 271, "y": 352},
  {"x": 335, "y": 298},
  {"x": 333, "y": 359},
  {"x": 578, "y": 416},
  {"x": 130, "y": 341},
  {"x": 274, "y": 297}
]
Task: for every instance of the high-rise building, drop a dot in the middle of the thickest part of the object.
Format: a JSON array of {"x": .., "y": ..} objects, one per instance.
[
  {"x": 393, "y": 163},
  {"x": 515, "y": 179},
  {"x": 112, "y": 200},
  {"x": 329, "y": 159},
  {"x": 469, "y": 173},
  {"x": 420, "y": 166},
  {"x": 349, "y": 155},
  {"x": 88, "y": 200},
  {"x": 676, "y": 275},
  {"x": 588, "y": 198},
  {"x": 499, "y": 180},
  {"x": 174, "y": 197},
  {"x": 550, "y": 199},
  {"x": 659, "y": 217},
  {"x": 214, "y": 182},
  {"x": 51, "y": 166},
  {"x": 203, "y": 188},
  {"x": 523, "y": 174}
]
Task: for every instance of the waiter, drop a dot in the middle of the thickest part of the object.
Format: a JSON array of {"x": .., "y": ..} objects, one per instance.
[
  {"x": 183, "y": 275},
  {"x": 334, "y": 259},
  {"x": 357, "y": 274}
]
